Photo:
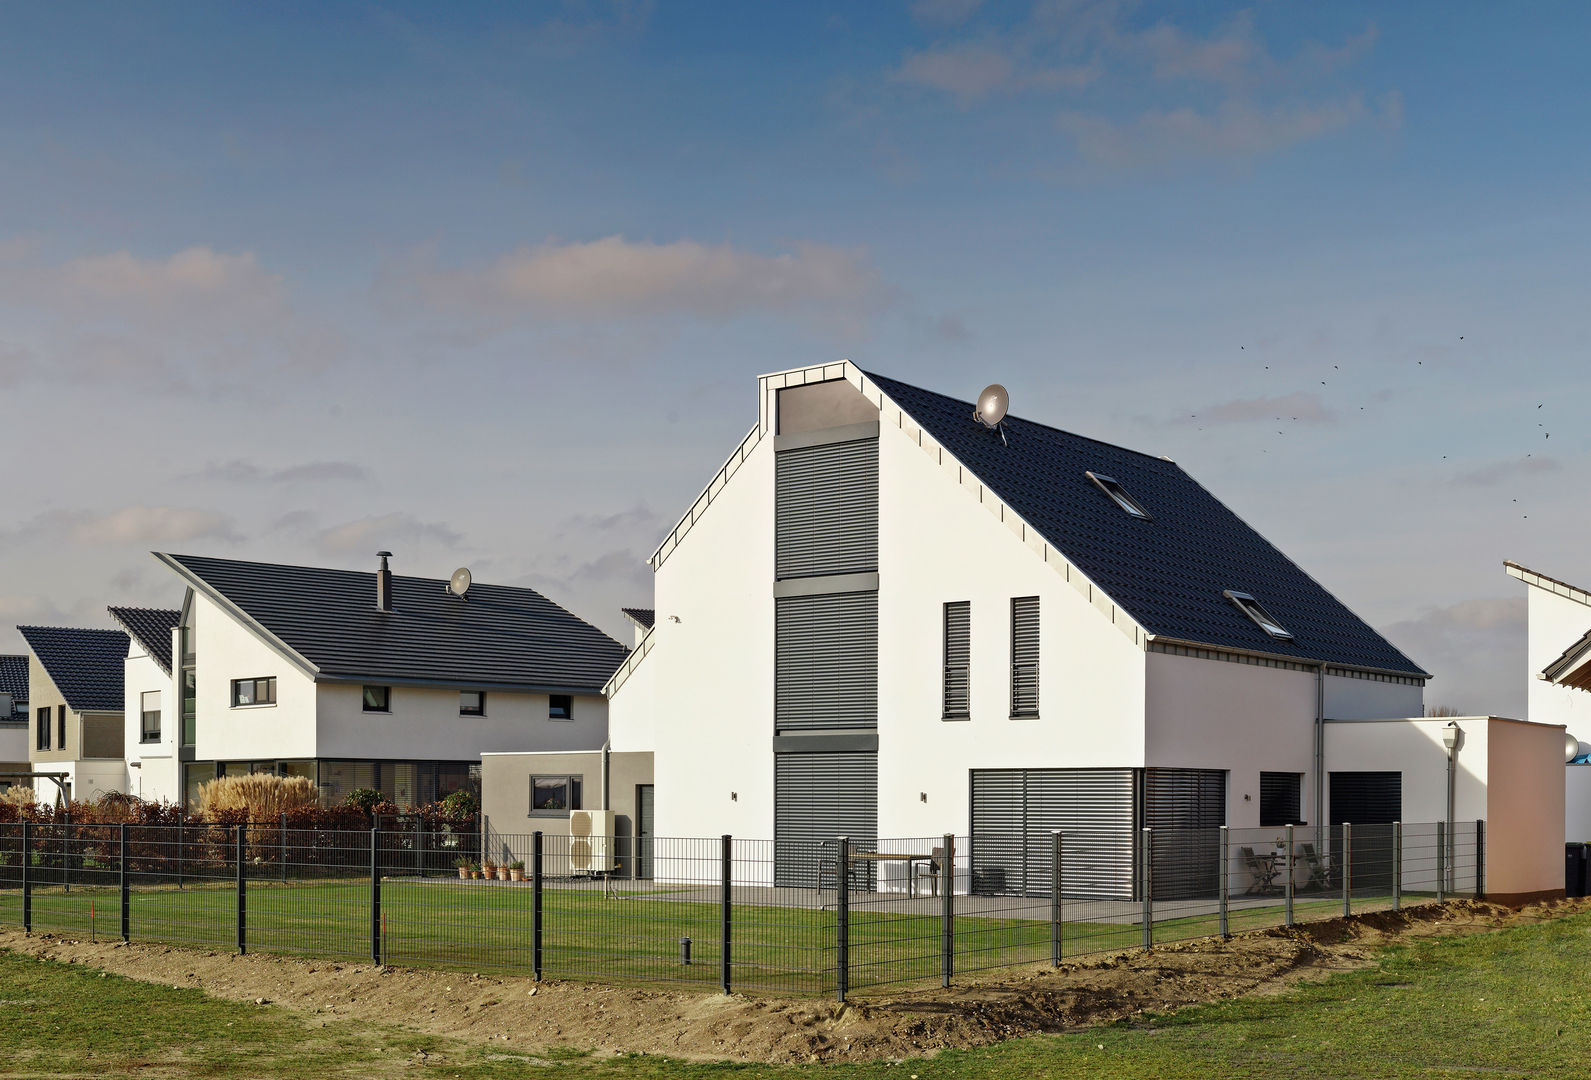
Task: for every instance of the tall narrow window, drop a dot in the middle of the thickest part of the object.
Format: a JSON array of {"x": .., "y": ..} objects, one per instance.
[
  {"x": 1024, "y": 657},
  {"x": 60, "y": 727},
  {"x": 41, "y": 740},
  {"x": 958, "y": 660},
  {"x": 149, "y": 732}
]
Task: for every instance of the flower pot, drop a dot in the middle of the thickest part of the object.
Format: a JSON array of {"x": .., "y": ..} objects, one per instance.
[
  {"x": 516, "y": 875},
  {"x": 502, "y": 873},
  {"x": 476, "y": 874},
  {"x": 464, "y": 873}
]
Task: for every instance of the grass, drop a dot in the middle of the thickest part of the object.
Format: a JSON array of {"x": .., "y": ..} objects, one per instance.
[
  {"x": 634, "y": 937},
  {"x": 1512, "y": 1002}
]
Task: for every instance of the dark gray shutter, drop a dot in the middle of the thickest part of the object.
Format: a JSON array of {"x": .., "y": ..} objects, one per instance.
[
  {"x": 1371, "y": 802},
  {"x": 1015, "y": 811},
  {"x": 826, "y": 509},
  {"x": 1281, "y": 799},
  {"x": 1186, "y": 808},
  {"x": 816, "y": 798},
  {"x": 826, "y": 661},
  {"x": 958, "y": 660},
  {"x": 1025, "y": 656}
]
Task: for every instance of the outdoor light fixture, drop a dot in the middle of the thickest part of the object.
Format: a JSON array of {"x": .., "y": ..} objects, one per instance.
[
  {"x": 1451, "y": 736},
  {"x": 922, "y": 796},
  {"x": 734, "y": 796}
]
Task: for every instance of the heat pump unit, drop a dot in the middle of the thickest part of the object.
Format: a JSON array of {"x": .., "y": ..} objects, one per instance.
[{"x": 591, "y": 841}]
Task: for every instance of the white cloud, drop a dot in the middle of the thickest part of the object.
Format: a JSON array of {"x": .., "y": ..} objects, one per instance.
[
  {"x": 239, "y": 471},
  {"x": 193, "y": 278},
  {"x": 1236, "y": 131},
  {"x": 141, "y": 525},
  {"x": 614, "y": 277},
  {"x": 1475, "y": 651},
  {"x": 1512, "y": 469},
  {"x": 944, "y": 12},
  {"x": 1304, "y": 408},
  {"x": 971, "y": 72},
  {"x": 391, "y": 531}
]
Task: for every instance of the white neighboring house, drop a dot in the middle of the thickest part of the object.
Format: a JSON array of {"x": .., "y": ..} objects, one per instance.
[
  {"x": 150, "y": 738},
  {"x": 1558, "y": 668},
  {"x": 13, "y": 719},
  {"x": 371, "y": 680},
  {"x": 884, "y": 618},
  {"x": 75, "y": 694}
]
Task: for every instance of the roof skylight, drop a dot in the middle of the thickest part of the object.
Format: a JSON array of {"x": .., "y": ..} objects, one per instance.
[
  {"x": 1119, "y": 495},
  {"x": 1262, "y": 618}
]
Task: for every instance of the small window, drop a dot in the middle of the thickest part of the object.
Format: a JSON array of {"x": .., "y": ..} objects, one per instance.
[
  {"x": 554, "y": 794},
  {"x": 1280, "y": 799},
  {"x": 957, "y": 690},
  {"x": 1262, "y": 618},
  {"x": 1024, "y": 657},
  {"x": 472, "y": 703},
  {"x": 150, "y": 730},
  {"x": 1119, "y": 495},
  {"x": 378, "y": 699},
  {"x": 560, "y": 707},
  {"x": 42, "y": 739},
  {"x": 260, "y": 691}
]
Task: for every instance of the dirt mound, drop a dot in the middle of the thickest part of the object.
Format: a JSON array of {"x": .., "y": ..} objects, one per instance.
[{"x": 975, "y": 1012}]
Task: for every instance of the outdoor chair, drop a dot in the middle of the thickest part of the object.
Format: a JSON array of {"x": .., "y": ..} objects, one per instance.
[
  {"x": 1319, "y": 868},
  {"x": 929, "y": 868},
  {"x": 1262, "y": 872}
]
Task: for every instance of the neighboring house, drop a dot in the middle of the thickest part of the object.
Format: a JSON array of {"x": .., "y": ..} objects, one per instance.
[
  {"x": 885, "y": 618},
  {"x": 640, "y": 620},
  {"x": 13, "y": 719},
  {"x": 75, "y": 695},
  {"x": 371, "y": 680},
  {"x": 153, "y": 769},
  {"x": 1558, "y": 676}
]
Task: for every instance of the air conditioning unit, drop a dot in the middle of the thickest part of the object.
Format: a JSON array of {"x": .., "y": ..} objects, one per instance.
[{"x": 591, "y": 841}]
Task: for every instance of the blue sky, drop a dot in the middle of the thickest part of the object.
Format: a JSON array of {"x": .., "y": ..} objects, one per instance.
[{"x": 490, "y": 284}]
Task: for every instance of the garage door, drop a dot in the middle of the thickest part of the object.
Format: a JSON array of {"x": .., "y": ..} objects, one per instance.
[
  {"x": 1014, "y": 811},
  {"x": 818, "y": 797}
]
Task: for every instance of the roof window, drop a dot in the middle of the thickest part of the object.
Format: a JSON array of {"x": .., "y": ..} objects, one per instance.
[
  {"x": 1262, "y": 618},
  {"x": 1118, "y": 494}
]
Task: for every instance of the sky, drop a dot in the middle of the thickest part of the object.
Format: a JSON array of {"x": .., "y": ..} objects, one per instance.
[{"x": 490, "y": 285}]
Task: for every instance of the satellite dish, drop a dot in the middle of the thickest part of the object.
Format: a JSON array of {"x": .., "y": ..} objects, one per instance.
[
  {"x": 459, "y": 583},
  {"x": 992, "y": 404}
]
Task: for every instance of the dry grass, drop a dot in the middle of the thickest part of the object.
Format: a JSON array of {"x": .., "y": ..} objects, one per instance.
[
  {"x": 260, "y": 796},
  {"x": 19, "y": 795}
]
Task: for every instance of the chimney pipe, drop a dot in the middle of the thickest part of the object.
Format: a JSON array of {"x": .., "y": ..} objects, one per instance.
[{"x": 383, "y": 582}]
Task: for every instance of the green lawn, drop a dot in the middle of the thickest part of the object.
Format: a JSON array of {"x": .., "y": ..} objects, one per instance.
[
  {"x": 1512, "y": 1002},
  {"x": 636, "y": 935}
]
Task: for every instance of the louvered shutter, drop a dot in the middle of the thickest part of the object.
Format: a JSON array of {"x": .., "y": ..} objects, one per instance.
[
  {"x": 818, "y": 797},
  {"x": 1280, "y": 799},
  {"x": 826, "y": 509},
  {"x": 1371, "y": 802},
  {"x": 826, "y": 662},
  {"x": 958, "y": 660},
  {"x": 1185, "y": 808},
  {"x": 1016, "y": 811},
  {"x": 1025, "y": 656}
]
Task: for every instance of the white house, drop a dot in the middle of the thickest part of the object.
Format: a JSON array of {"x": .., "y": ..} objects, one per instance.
[
  {"x": 75, "y": 694},
  {"x": 885, "y": 618},
  {"x": 13, "y": 719},
  {"x": 149, "y": 738},
  {"x": 371, "y": 680}
]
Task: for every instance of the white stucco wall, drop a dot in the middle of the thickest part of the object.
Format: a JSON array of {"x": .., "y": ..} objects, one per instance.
[
  {"x": 1553, "y": 624},
  {"x": 712, "y": 670},
  {"x": 1369, "y": 699},
  {"x": 632, "y": 716},
  {"x": 424, "y": 724},
  {"x": 224, "y": 650},
  {"x": 937, "y": 544},
  {"x": 153, "y": 772},
  {"x": 1244, "y": 718},
  {"x": 1414, "y": 748}
]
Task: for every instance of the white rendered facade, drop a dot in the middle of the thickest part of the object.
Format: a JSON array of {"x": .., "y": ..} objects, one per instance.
[{"x": 154, "y": 770}]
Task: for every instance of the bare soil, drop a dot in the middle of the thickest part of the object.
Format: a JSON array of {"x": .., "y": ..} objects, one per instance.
[{"x": 976, "y": 1011}]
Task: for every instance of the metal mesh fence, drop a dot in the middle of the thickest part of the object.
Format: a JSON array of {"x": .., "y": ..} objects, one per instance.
[{"x": 712, "y": 913}]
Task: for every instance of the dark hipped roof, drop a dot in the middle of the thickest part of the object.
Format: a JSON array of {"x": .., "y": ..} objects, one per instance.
[
  {"x": 1169, "y": 571},
  {"x": 14, "y": 678},
  {"x": 498, "y": 637},
  {"x": 640, "y": 616},
  {"x": 85, "y": 665},
  {"x": 151, "y": 628}
]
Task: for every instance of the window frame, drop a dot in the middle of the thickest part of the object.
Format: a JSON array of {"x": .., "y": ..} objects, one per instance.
[
  {"x": 1297, "y": 794},
  {"x": 1118, "y": 494},
  {"x": 480, "y": 707},
  {"x": 1258, "y": 615},
  {"x": 568, "y": 712},
  {"x": 144, "y": 712},
  {"x": 60, "y": 727},
  {"x": 573, "y": 784},
  {"x": 1018, "y": 713},
  {"x": 946, "y": 712},
  {"x": 45, "y": 723},
  {"x": 255, "y": 683},
  {"x": 364, "y": 698}
]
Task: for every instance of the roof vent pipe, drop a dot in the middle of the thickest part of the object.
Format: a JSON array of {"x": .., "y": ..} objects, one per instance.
[{"x": 383, "y": 582}]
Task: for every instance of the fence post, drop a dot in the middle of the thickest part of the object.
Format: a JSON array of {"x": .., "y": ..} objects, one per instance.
[
  {"x": 182, "y": 814},
  {"x": 242, "y": 893},
  {"x": 535, "y": 904},
  {"x": 1146, "y": 880},
  {"x": 1441, "y": 862},
  {"x": 1225, "y": 857},
  {"x": 1480, "y": 858},
  {"x": 27, "y": 877},
  {"x": 1347, "y": 869},
  {"x": 947, "y": 912},
  {"x": 1287, "y": 871},
  {"x": 1055, "y": 898},
  {"x": 1397, "y": 866},
  {"x": 375, "y": 897},
  {"x": 282, "y": 829},
  {"x": 419, "y": 847},
  {"x": 126, "y": 892},
  {"x": 726, "y": 872},
  {"x": 842, "y": 918}
]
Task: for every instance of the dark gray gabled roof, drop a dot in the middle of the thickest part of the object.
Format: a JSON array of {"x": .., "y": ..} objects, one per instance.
[
  {"x": 1169, "y": 571},
  {"x": 14, "y": 679},
  {"x": 85, "y": 665},
  {"x": 151, "y": 628},
  {"x": 498, "y": 637},
  {"x": 640, "y": 616}
]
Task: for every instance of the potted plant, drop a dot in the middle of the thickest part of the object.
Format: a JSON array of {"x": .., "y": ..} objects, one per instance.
[
  {"x": 464, "y": 866},
  {"x": 475, "y": 871},
  {"x": 489, "y": 868},
  {"x": 502, "y": 872},
  {"x": 516, "y": 870}
]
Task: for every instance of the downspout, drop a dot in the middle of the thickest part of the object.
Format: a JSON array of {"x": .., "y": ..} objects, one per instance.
[
  {"x": 1320, "y": 757},
  {"x": 607, "y": 749},
  {"x": 1451, "y": 738}
]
